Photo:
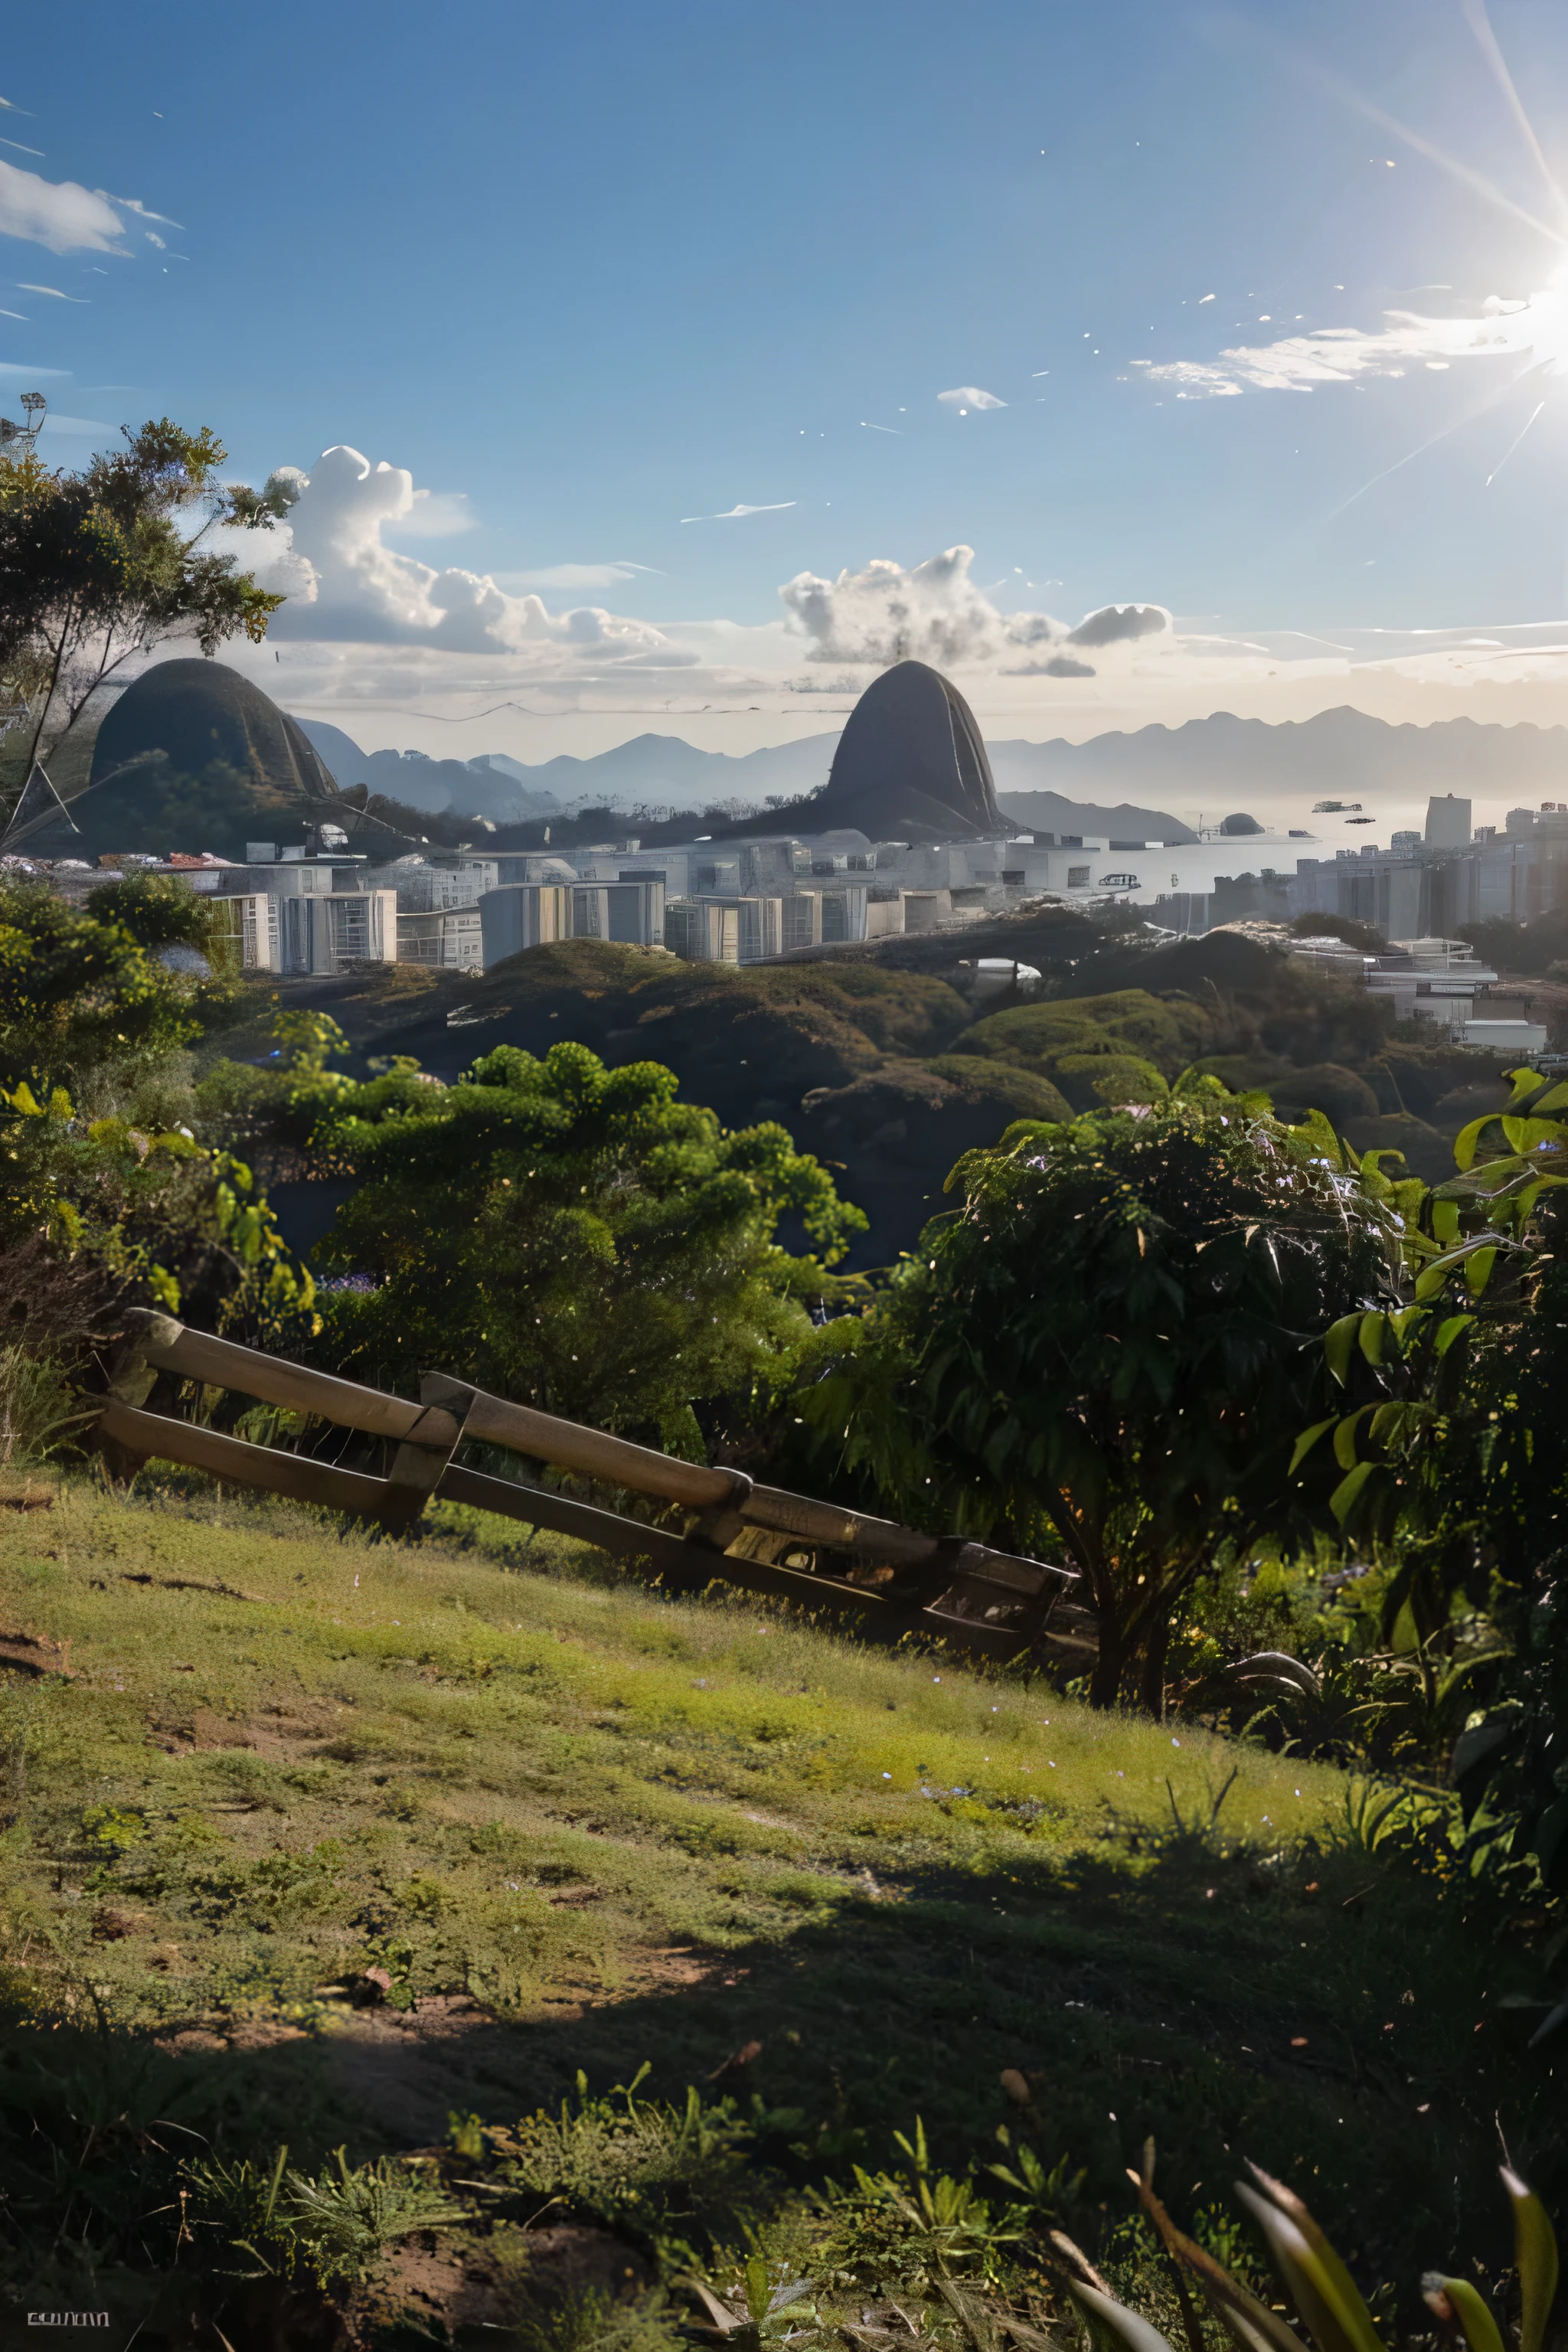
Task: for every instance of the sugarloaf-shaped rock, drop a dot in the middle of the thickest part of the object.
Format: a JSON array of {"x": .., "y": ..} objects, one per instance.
[
  {"x": 234, "y": 768},
  {"x": 911, "y": 763}
]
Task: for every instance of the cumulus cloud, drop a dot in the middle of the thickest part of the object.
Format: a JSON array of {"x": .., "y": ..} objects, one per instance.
[
  {"x": 936, "y": 613},
  {"x": 343, "y": 581},
  {"x": 1534, "y": 329},
  {"x": 436, "y": 514},
  {"x": 58, "y": 214},
  {"x": 1113, "y": 625},
  {"x": 969, "y": 395},
  {"x": 1058, "y": 665}
]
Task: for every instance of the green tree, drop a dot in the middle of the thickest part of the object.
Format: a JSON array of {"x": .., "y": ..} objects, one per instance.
[
  {"x": 105, "y": 1190},
  {"x": 1449, "y": 1453},
  {"x": 572, "y": 1236},
  {"x": 100, "y": 566},
  {"x": 1105, "y": 1353}
]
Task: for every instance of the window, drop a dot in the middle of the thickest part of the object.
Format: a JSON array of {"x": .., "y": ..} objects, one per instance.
[{"x": 1077, "y": 878}]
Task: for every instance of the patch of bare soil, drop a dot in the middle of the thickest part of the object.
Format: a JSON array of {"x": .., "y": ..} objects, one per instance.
[
  {"x": 29, "y": 1653},
  {"x": 279, "y": 1734}
]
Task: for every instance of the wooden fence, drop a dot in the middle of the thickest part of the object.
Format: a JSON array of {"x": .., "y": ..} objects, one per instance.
[{"x": 890, "y": 1581}]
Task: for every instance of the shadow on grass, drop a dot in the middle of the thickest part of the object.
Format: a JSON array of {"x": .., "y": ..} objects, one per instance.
[{"x": 1323, "y": 2012}]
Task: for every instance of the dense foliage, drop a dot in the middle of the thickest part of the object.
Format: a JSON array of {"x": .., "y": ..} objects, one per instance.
[
  {"x": 573, "y": 1236},
  {"x": 1103, "y": 1352},
  {"x": 108, "y": 1195}
]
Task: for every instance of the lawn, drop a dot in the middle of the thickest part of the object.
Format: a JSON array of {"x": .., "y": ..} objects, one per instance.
[{"x": 575, "y": 1825}]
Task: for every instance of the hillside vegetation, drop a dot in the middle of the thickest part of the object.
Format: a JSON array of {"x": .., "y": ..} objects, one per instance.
[
  {"x": 575, "y": 1825},
  {"x": 884, "y": 1064}
]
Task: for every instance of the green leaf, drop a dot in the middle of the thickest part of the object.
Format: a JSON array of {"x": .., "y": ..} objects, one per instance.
[
  {"x": 1249, "y": 2323},
  {"x": 1433, "y": 1280},
  {"x": 1446, "y": 1222},
  {"x": 1388, "y": 1423},
  {"x": 1529, "y": 1134},
  {"x": 1323, "y": 2289},
  {"x": 1449, "y": 1330},
  {"x": 1532, "y": 1192},
  {"x": 1338, "y": 1342},
  {"x": 1478, "y": 1270},
  {"x": 1374, "y": 1331},
  {"x": 1525, "y": 1082},
  {"x": 1114, "y": 2320},
  {"x": 1343, "y": 1499},
  {"x": 1556, "y": 1100},
  {"x": 1306, "y": 1439},
  {"x": 1481, "y": 2332},
  {"x": 1316, "y": 1131},
  {"x": 1344, "y": 1438},
  {"x": 1535, "y": 2253},
  {"x": 1468, "y": 1140}
]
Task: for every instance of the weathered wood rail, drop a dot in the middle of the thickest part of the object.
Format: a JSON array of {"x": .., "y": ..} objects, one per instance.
[{"x": 888, "y": 1579}]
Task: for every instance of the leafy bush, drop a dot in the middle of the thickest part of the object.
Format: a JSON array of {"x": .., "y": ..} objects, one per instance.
[
  {"x": 572, "y": 1236},
  {"x": 1100, "y": 1356}
]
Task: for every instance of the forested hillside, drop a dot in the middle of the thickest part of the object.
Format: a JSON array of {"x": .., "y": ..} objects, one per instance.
[{"x": 887, "y": 1062}]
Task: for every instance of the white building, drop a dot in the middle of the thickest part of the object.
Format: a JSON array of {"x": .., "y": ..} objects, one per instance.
[
  {"x": 450, "y": 938},
  {"x": 754, "y": 928},
  {"x": 519, "y": 915},
  {"x": 310, "y": 931}
]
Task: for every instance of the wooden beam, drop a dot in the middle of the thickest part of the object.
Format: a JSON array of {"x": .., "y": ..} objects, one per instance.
[
  {"x": 591, "y": 1453},
  {"x": 174, "y": 1346},
  {"x": 691, "y": 1566},
  {"x": 153, "y": 1437},
  {"x": 685, "y": 1563}
]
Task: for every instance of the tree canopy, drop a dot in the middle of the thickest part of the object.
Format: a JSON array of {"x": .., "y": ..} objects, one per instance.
[
  {"x": 573, "y": 1236},
  {"x": 101, "y": 565},
  {"x": 1106, "y": 1351}
]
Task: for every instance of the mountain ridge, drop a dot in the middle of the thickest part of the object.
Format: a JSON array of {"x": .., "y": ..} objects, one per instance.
[{"x": 1115, "y": 782}]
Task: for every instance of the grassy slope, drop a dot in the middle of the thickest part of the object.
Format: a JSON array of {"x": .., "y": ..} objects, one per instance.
[{"x": 586, "y": 1826}]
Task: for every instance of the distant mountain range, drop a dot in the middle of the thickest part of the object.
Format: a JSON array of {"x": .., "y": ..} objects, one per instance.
[
  {"x": 1219, "y": 761},
  {"x": 1112, "y": 784},
  {"x": 660, "y": 770}
]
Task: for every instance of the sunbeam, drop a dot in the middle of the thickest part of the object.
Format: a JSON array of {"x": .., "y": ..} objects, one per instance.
[
  {"x": 1513, "y": 444},
  {"x": 1467, "y": 417},
  {"x": 1347, "y": 94},
  {"x": 1480, "y": 25}
]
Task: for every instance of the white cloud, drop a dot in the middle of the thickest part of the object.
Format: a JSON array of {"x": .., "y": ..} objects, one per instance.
[
  {"x": 936, "y": 613},
  {"x": 572, "y": 575},
  {"x": 436, "y": 514},
  {"x": 969, "y": 395},
  {"x": 23, "y": 287},
  {"x": 141, "y": 211},
  {"x": 60, "y": 215},
  {"x": 730, "y": 513},
  {"x": 1534, "y": 329},
  {"x": 343, "y": 581}
]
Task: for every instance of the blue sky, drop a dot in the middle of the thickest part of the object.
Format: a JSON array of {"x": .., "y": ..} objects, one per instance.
[{"x": 588, "y": 271}]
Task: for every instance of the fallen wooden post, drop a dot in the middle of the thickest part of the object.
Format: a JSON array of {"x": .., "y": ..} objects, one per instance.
[{"x": 889, "y": 1580}]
